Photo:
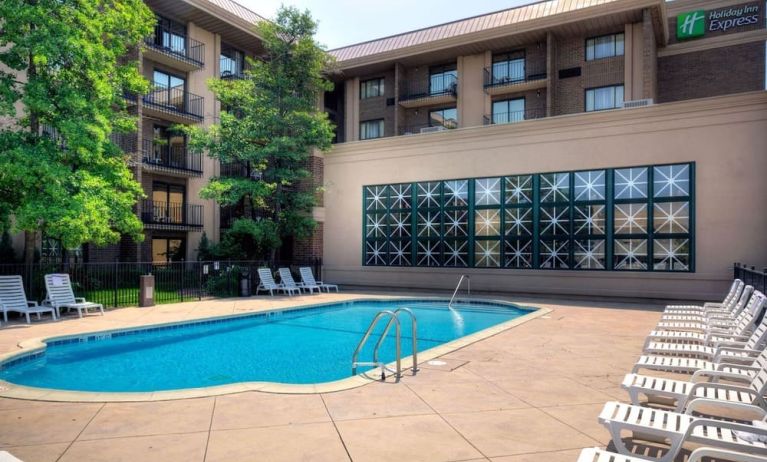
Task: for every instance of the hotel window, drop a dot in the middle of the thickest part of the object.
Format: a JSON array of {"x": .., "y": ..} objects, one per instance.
[
  {"x": 603, "y": 98},
  {"x": 371, "y": 88},
  {"x": 509, "y": 67},
  {"x": 508, "y": 111},
  {"x": 604, "y": 46},
  {"x": 443, "y": 80},
  {"x": 170, "y": 35},
  {"x": 231, "y": 62},
  {"x": 371, "y": 129},
  {"x": 446, "y": 117},
  {"x": 167, "y": 203},
  {"x": 165, "y": 250},
  {"x": 168, "y": 90}
]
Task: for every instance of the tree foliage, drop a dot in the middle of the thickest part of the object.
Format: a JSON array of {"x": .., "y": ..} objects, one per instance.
[
  {"x": 64, "y": 68},
  {"x": 270, "y": 122}
]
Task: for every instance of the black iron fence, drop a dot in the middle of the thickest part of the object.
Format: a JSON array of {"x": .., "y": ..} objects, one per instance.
[
  {"x": 175, "y": 100},
  {"x": 175, "y": 157},
  {"x": 117, "y": 284},
  {"x": 513, "y": 116},
  {"x": 171, "y": 213},
  {"x": 751, "y": 276},
  {"x": 178, "y": 46}
]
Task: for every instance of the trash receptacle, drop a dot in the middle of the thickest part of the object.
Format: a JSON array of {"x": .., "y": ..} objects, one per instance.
[
  {"x": 146, "y": 290},
  {"x": 245, "y": 284}
]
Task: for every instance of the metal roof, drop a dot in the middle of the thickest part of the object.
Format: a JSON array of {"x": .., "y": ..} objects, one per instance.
[
  {"x": 238, "y": 10},
  {"x": 464, "y": 27}
]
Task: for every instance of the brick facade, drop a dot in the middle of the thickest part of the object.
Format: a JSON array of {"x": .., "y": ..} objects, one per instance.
[
  {"x": 377, "y": 107},
  {"x": 310, "y": 248}
]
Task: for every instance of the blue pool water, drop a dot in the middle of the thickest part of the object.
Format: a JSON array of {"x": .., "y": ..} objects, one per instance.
[{"x": 298, "y": 346}]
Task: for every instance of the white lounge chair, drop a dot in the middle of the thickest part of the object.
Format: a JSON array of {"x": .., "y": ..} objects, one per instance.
[
  {"x": 307, "y": 278},
  {"x": 731, "y": 349},
  {"x": 286, "y": 278},
  {"x": 688, "y": 365},
  {"x": 266, "y": 284},
  {"x": 60, "y": 295},
  {"x": 13, "y": 298},
  {"x": 699, "y": 323},
  {"x": 602, "y": 455},
  {"x": 729, "y": 311},
  {"x": 660, "y": 426},
  {"x": 685, "y": 393},
  {"x": 732, "y": 297}
]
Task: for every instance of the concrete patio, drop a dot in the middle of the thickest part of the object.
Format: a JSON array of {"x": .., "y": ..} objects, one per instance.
[{"x": 531, "y": 393}]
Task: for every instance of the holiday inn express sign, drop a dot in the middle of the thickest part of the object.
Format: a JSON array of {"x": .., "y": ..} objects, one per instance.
[{"x": 694, "y": 24}]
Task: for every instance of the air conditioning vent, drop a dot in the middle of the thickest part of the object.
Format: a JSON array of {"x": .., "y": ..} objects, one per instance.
[
  {"x": 637, "y": 103},
  {"x": 432, "y": 129}
]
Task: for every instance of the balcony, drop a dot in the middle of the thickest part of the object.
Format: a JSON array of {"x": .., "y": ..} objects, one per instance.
[
  {"x": 175, "y": 104},
  {"x": 437, "y": 90},
  {"x": 171, "y": 216},
  {"x": 127, "y": 142},
  {"x": 175, "y": 160},
  {"x": 425, "y": 128},
  {"x": 174, "y": 50},
  {"x": 501, "y": 83},
  {"x": 513, "y": 117}
]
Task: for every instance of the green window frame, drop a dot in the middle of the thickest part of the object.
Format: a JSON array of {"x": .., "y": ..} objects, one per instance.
[{"x": 609, "y": 219}]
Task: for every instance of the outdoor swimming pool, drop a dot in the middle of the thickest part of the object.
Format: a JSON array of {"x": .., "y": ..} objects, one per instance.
[{"x": 303, "y": 345}]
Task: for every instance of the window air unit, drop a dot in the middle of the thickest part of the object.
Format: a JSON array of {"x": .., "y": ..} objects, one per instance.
[
  {"x": 637, "y": 103},
  {"x": 432, "y": 129}
]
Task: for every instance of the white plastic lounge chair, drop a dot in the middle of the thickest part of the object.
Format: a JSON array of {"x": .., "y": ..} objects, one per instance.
[
  {"x": 307, "y": 278},
  {"x": 266, "y": 284},
  {"x": 13, "y": 298},
  {"x": 684, "y": 392},
  {"x": 60, "y": 295},
  {"x": 679, "y": 429},
  {"x": 286, "y": 278},
  {"x": 687, "y": 365},
  {"x": 732, "y": 349},
  {"x": 602, "y": 455},
  {"x": 700, "y": 323},
  {"x": 732, "y": 296},
  {"x": 730, "y": 312}
]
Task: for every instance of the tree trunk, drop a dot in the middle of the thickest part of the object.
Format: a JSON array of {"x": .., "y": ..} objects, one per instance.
[{"x": 30, "y": 244}]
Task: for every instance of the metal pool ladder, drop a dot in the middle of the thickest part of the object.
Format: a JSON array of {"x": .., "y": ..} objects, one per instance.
[
  {"x": 393, "y": 319},
  {"x": 455, "y": 292}
]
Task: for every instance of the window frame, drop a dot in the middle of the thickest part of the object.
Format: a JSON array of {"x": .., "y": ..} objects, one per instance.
[
  {"x": 443, "y": 109},
  {"x": 381, "y": 88},
  {"x": 508, "y": 57},
  {"x": 239, "y": 61},
  {"x": 444, "y": 70},
  {"x": 615, "y": 46},
  {"x": 614, "y": 87},
  {"x": 381, "y": 130},
  {"x": 508, "y": 103}
]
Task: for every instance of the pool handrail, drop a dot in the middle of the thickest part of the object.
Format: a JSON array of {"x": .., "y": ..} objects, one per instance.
[
  {"x": 364, "y": 339},
  {"x": 458, "y": 286},
  {"x": 414, "y": 334}
]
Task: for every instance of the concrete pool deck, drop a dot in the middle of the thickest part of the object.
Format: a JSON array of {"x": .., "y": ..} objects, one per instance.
[{"x": 529, "y": 393}]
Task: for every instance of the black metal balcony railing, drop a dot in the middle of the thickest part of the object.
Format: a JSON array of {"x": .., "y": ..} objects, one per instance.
[
  {"x": 171, "y": 214},
  {"x": 513, "y": 117},
  {"x": 437, "y": 85},
  {"x": 512, "y": 77},
  {"x": 175, "y": 100},
  {"x": 426, "y": 128},
  {"x": 127, "y": 142},
  {"x": 234, "y": 169},
  {"x": 177, "y": 46},
  {"x": 175, "y": 157}
]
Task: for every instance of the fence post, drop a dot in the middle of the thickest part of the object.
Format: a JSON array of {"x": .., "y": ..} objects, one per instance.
[
  {"x": 181, "y": 274},
  {"x": 116, "y": 268},
  {"x": 199, "y": 274}
]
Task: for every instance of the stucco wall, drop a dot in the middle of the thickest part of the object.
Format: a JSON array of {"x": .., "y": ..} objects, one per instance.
[{"x": 725, "y": 136}]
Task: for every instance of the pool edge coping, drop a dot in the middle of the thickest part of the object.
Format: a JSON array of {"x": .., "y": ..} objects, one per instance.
[{"x": 37, "y": 344}]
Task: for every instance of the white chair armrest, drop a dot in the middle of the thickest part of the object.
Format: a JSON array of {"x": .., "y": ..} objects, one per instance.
[
  {"x": 732, "y": 376},
  {"x": 32, "y": 303},
  {"x": 699, "y": 454},
  {"x": 80, "y": 299}
]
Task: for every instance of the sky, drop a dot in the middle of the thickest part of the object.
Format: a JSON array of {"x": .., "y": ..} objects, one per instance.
[{"x": 343, "y": 22}]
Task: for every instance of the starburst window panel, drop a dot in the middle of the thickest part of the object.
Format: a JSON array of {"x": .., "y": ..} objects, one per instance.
[
  {"x": 630, "y": 254},
  {"x": 400, "y": 253},
  {"x": 376, "y": 253},
  {"x": 456, "y": 193},
  {"x": 590, "y": 186},
  {"x": 399, "y": 224},
  {"x": 555, "y": 220},
  {"x": 519, "y": 222},
  {"x": 487, "y": 254},
  {"x": 519, "y": 189},
  {"x": 429, "y": 253},
  {"x": 671, "y": 254},
  {"x": 630, "y": 183},
  {"x": 487, "y": 191},
  {"x": 671, "y": 181},
  {"x": 376, "y": 197},
  {"x": 376, "y": 226},
  {"x": 456, "y": 252},
  {"x": 589, "y": 254},
  {"x": 428, "y": 224},
  {"x": 457, "y": 223},
  {"x": 519, "y": 254},
  {"x": 428, "y": 195},
  {"x": 400, "y": 195},
  {"x": 555, "y": 187},
  {"x": 554, "y": 254},
  {"x": 589, "y": 219},
  {"x": 631, "y": 219},
  {"x": 671, "y": 217},
  {"x": 487, "y": 222}
]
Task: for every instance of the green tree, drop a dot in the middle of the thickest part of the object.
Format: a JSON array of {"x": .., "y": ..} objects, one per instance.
[
  {"x": 64, "y": 69},
  {"x": 270, "y": 122}
]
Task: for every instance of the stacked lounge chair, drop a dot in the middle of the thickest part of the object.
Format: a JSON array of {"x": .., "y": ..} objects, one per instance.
[{"x": 719, "y": 406}]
